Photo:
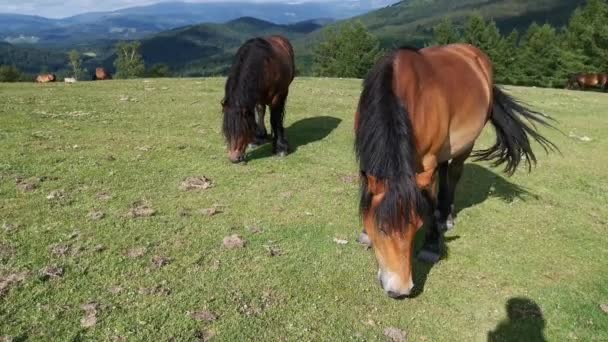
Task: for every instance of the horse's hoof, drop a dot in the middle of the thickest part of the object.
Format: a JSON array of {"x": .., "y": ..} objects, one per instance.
[
  {"x": 447, "y": 225},
  {"x": 282, "y": 154},
  {"x": 365, "y": 240},
  {"x": 430, "y": 257}
]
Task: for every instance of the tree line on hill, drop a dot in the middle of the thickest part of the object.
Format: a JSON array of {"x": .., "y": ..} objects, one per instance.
[{"x": 542, "y": 56}]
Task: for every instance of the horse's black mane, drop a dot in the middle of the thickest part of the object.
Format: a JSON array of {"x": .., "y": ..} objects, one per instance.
[
  {"x": 242, "y": 90},
  {"x": 385, "y": 148}
]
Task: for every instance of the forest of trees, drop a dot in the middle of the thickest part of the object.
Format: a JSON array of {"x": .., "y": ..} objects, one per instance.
[{"x": 542, "y": 56}]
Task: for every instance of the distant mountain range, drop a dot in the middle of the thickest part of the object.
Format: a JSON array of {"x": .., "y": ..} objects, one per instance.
[
  {"x": 139, "y": 22},
  {"x": 207, "y": 49}
]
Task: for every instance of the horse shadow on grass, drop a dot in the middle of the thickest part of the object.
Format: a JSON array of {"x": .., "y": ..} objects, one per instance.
[
  {"x": 476, "y": 185},
  {"x": 301, "y": 133},
  {"x": 525, "y": 322}
]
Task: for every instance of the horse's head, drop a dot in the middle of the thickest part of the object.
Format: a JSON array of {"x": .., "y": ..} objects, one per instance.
[
  {"x": 239, "y": 131},
  {"x": 391, "y": 232}
]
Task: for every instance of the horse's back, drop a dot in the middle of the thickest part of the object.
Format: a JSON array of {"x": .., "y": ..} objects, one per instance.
[{"x": 450, "y": 96}]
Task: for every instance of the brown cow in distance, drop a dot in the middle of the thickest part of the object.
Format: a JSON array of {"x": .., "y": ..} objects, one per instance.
[
  {"x": 101, "y": 74},
  {"x": 46, "y": 78}
]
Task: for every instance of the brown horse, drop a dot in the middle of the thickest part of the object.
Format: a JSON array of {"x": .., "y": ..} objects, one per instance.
[
  {"x": 417, "y": 121},
  {"x": 584, "y": 81},
  {"x": 260, "y": 76},
  {"x": 46, "y": 78},
  {"x": 101, "y": 74}
]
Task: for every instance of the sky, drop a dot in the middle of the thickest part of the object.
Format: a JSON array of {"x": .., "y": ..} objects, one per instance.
[{"x": 66, "y": 8}]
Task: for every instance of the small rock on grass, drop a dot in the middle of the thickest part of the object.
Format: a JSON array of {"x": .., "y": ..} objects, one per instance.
[
  {"x": 96, "y": 215},
  {"x": 55, "y": 195},
  {"x": 604, "y": 307},
  {"x": 234, "y": 241},
  {"x": 203, "y": 316},
  {"x": 340, "y": 241},
  {"x": 395, "y": 335}
]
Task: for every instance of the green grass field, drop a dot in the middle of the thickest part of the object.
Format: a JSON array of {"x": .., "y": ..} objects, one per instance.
[{"x": 538, "y": 241}]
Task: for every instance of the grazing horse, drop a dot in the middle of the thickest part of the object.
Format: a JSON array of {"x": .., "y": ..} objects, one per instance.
[
  {"x": 260, "y": 76},
  {"x": 417, "y": 121},
  {"x": 101, "y": 74},
  {"x": 46, "y": 78},
  {"x": 584, "y": 81}
]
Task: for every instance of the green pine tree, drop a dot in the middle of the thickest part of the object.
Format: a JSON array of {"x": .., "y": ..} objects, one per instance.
[
  {"x": 347, "y": 51},
  {"x": 445, "y": 33}
]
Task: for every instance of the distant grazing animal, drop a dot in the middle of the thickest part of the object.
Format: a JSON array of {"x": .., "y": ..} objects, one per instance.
[
  {"x": 260, "y": 76},
  {"x": 69, "y": 80},
  {"x": 585, "y": 81},
  {"x": 101, "y": 74},
  {"x": 46, "y": 78},
  {"x": 418, "y": 118}
]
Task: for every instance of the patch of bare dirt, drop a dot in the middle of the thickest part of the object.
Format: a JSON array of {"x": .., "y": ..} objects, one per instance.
[
  {"x": 204, "y": 335},
  {"x": 51, "y": 272},
  {"x": 28, "y": 185},
  {"x": 395, "y": 335},
  {"x": 211, "y": 211},
  {"x": 140, "y": 209},
  {"x": 99, "y": 248},
  {"x": 6, "y": 251},
  {"x": 203, "y": 316},
  {"x": 604, "y": 307},
  {"x": 255, "y": 229},
  {"x": 158, "y": 290},
  {"x": 103, "y": 196},
  {"x": 349, "y": 179},
  {"x": 136, "y": 252},
  {"x": 115, "y": 290},
  {"x": 96, "y": 215},
  {"x": 59, "y": 250},
  {"x": 10, "y": 280},
  {"x": 160, "y": 261},
  {"x": 56, "y": 195},
  {"x": 272, "y": 249},
  {"x": 234, "y": 241},
  {"x": 90, "y": 315},
  {"x": 10, "y": 227},
  {"x": 197, "y": 183}
]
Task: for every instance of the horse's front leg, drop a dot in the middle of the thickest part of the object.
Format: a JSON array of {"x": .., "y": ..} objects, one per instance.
[
  {"x": 260, "y": 131},
  {"x": 280, "y": 146}
]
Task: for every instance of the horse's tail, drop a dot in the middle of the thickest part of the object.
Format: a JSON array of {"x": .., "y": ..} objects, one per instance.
[
  {"x": 385, "y": 148},
  {"x": 512, "y": 133},
  {"x": 242, "y": 91}
]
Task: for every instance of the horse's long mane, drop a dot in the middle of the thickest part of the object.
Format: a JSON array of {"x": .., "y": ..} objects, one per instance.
[
  {"x": 242, "y": 91},
  {"x": 385, "y": 149}
]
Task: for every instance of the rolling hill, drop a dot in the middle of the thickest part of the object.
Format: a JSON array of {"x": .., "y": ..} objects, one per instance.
[{"x": 139, "y": 22}]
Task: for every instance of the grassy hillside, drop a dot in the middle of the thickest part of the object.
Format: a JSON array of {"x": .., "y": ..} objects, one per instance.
[
  {"x": 411, "y": 22},
  {"x": 527, "y": 257}
]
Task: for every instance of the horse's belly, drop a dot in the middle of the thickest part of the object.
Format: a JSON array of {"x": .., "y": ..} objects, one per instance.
[{"x": 460, "y": 140}]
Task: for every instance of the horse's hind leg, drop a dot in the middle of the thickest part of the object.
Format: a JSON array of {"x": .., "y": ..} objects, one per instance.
[
  {"x": 447, "y": 191},
  {"x": 280, "y": 146},
  {"x": 260, "y": 131}
]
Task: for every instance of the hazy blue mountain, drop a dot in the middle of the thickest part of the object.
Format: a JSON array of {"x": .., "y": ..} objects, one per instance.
[{"x": 139, "y": 22}]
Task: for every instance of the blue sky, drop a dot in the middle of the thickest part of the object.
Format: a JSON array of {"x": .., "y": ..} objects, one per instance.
[{"x": 65, "y": 8}]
